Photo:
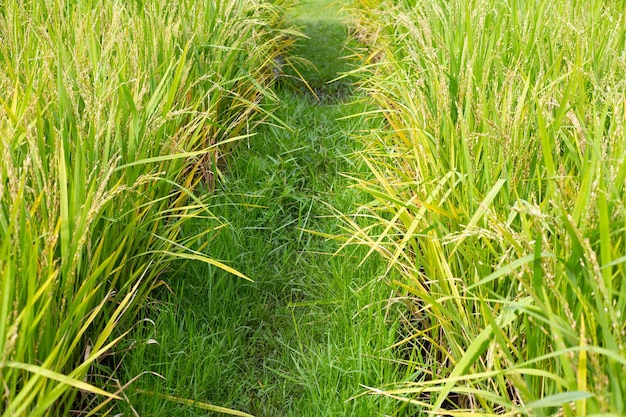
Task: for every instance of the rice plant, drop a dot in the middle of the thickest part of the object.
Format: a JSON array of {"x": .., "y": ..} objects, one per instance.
[
  {"x": 498, "y": 193},
  {"x": 112, "y": 114}
]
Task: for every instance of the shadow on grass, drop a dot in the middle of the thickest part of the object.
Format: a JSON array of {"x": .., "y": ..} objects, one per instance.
[{"x": 325, "y": 49}]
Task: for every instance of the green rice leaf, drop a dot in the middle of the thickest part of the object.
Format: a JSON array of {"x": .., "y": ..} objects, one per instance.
[
  {"x": 558, "y": 399},
  {"x": 64, "y": 379}
]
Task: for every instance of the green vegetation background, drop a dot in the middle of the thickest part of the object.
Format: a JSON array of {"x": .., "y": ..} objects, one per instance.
[{"x": 312, "y": 331}]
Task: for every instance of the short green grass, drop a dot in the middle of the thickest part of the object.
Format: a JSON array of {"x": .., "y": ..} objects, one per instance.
[
  {"x": 312, "y": 331},
  {"x": 324, "y": 47}
]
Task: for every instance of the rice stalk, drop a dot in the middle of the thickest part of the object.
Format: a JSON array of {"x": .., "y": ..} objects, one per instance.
[
  {"x": 498, "y": 194},
  {"x": 113, "y": 118}
]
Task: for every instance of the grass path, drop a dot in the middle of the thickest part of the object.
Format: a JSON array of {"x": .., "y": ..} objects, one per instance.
[{"x": 311, "y": 329}]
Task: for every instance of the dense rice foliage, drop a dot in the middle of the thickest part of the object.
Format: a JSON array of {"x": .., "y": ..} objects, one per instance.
[
  {"x": 499, "y": 196},
  {"x": 111, "y": 112}
]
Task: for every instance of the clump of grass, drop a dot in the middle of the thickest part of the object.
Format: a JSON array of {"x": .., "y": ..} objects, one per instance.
[
  {"x": 112, "y": 114},
  {"x": 499, "y": 196}
]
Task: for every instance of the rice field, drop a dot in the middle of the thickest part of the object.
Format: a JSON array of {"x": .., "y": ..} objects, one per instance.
[
  {"x": 244, "y": 208},
  {"x": 498, "y": 194},
  {"x": 114, "y": 118}
]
